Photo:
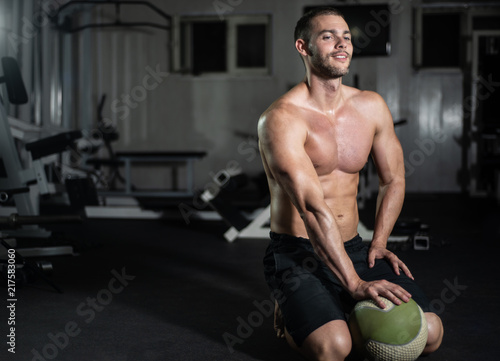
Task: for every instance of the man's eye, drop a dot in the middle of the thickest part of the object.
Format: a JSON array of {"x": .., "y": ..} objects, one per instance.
[
  {"x": 347, "y": 38},
  {"x": 327, "y": 37}
]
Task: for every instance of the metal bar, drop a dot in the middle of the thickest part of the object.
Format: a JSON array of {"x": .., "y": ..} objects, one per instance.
[
  {"x": 118, "y": 24},
  {"x": 15, "y": 220},
  {"x": 145, "y": 193},
  {"x": 112, "y": 2},
  {"x": 190, "y": 174},
  {"x": 128, "y": 184},
  {"x": 95, "y": 2}
]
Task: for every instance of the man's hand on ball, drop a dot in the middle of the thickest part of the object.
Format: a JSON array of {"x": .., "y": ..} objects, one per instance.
[{"x": 381, "y": 288}]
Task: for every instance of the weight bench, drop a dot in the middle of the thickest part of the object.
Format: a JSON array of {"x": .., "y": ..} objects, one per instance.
[
  {"x": 169, "y": 158},
  {"x": 47, "y": 146}
]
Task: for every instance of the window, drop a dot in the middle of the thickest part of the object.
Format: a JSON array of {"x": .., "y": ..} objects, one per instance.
[
  {"x": 439, "y": 38},
  {"x": 236, "y": 45}
]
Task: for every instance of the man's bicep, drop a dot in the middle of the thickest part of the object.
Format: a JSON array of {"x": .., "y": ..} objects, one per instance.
[
  {"x": 289, "y": 164},
  {"x": 291, "y": 167},
  {"x": 387, "y": 153},
  {"x": 282, "y": 143}
]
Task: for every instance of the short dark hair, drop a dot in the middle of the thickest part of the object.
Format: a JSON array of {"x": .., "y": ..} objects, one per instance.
[{"x": 303, "y": 27}]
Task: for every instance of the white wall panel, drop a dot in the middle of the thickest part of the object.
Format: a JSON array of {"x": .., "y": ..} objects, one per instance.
[{"x": 433, "y": 154}]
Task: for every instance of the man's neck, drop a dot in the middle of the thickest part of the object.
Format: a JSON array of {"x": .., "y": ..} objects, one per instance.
[{"x": 325, "y": 93}]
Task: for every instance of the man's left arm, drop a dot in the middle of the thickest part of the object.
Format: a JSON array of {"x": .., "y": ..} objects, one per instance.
[{"x": 389, "y": 161}]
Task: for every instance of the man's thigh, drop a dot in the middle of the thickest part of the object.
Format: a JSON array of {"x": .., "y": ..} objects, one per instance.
[
  {"x": 307, "y": 293},
  {"x": 383, "y": 270}
]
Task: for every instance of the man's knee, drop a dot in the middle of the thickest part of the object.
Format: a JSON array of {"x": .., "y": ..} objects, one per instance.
[
  {"x": 331, "y": 341},
  {"x": 436, "y": 331}
]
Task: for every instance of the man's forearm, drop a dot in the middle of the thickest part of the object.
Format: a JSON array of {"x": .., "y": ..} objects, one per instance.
[
  {"x": 389, "y": 204},
  {"x": 328, "y": 244}
]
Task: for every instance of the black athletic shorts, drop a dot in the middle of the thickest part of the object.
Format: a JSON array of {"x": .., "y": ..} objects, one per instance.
[{"x": 308, "y": 292}]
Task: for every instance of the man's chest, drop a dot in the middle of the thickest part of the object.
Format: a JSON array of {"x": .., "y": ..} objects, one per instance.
[{"x": 342, "y": 145}]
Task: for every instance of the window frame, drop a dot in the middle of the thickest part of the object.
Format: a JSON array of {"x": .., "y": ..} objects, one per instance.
[{"x": 232, "y": 21}]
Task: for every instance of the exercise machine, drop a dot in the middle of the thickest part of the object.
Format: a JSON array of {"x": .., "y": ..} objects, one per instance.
[
  {"x": 22, "y": 185},
  {"x": 13, "y": 176},
  {"x": 223, "y": 197},
  {"x": 27, "y": 270}
]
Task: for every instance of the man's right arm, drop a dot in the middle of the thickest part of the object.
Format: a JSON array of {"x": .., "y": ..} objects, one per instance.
[{"x": 282, "y": 142}]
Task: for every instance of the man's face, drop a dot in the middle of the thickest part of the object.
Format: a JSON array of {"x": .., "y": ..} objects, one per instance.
[{"x": 330, "y": 46}]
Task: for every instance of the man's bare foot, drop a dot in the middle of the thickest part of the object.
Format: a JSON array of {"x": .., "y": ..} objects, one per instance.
[{"x": 279, "y": 323}]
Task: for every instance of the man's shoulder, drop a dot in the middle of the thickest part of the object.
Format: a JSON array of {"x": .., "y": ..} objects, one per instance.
[
  {"x": 367, "y": 97},
  {"x": 285, "y": 111},
  {"x": 281, "y": 110},
  {"x": 372, "y": 107},
  {"x": 367, "y": 102},
  {"x": 280, "y": 120}
]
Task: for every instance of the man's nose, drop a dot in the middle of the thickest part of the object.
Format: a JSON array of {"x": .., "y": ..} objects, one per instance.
[{"x": 342, "y": 43}]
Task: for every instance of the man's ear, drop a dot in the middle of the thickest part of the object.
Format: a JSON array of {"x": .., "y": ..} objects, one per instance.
[{"x": 302, "y": 48}]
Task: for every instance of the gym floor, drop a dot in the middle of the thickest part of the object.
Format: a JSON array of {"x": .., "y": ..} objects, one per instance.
[{"x": 167, "y": 290}]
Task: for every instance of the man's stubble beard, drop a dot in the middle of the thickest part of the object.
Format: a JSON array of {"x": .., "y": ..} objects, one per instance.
[{"x": 322, "y": 66}]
